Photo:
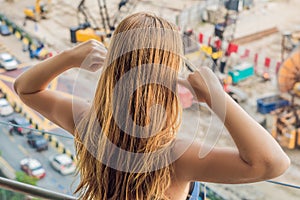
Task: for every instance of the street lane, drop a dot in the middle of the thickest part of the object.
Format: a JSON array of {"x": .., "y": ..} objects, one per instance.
[
  {"x": 64, "y": 137},
  {"x": 14, "y": 148}
]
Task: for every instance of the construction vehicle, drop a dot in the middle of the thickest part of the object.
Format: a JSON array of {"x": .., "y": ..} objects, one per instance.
[
  {"x": 286, "y": 127},
  {"x": 224, "y": 17},
  {"x": 289, "y": 74},
  {"x": 38, "y": 11},
  {"x": 88, "y": 28},
  {"x": 212, "y": 51},
  {"x": 122, "y": 4},
  {"x": 228, "y": 25},
  {"x": 290, "y": 40},
  {"x": 38, "y": 50},
  {"x": 241, "y": 72}
]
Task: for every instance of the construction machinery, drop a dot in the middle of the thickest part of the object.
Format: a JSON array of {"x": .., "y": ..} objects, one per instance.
[
  {"x": 241, "y": 72},
  {"x": 289, "y": 74},
  {"x": 38, "y": 11},
  {"x": 286, "y": 127},
  {"x": 228, "y": 25},
  {"x": 38, "y": 50},
  {"x": 88, "y": 28},
  {"x": 290, "y": 40},
  {"x": 224, "y": 17}
]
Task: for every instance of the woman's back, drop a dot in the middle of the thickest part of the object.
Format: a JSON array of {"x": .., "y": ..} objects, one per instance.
[{"x": 133, "y": 120}]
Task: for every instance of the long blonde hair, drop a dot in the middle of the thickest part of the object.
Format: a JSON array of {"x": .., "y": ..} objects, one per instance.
[{"x": 105, "y": 173}]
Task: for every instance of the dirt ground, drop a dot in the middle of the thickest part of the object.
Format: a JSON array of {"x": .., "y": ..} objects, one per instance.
[{"x": 280, "y": 13}]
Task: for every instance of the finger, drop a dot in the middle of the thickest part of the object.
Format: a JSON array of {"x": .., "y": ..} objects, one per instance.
[
  {"x": 183, "y": 82},
  {"x": 101, "y": 48},
  {"x": 192, "y": 77},
  {"x": 92, "y": 60},
  {"x": 187, "y": 85},
  {"x": 97, "y": 59},
  {"x": 94, "y": 67},
  {"x": 99, "y": 55},
  {"x": 209, "y": 77},
  {"x": 98, "y": 42}
]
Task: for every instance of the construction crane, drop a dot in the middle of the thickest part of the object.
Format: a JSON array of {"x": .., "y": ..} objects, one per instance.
[
  {"x": 129, "y": 5},
  {"x": 105, "y": 17},
  {"x": 38, "y": 11},
  {"x": 88, "y": 27},
  {"x": 122, "y": 4}
]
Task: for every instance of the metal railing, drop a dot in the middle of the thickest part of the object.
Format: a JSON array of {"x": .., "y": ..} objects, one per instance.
[
  {"x": 38, "y": 192},
  {"x": 23, "y": 188}
]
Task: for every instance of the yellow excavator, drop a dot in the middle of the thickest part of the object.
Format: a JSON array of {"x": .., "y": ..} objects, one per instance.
[{"x": 38, "y": 11}]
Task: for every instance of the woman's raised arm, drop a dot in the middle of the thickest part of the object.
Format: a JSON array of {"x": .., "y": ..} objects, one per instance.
[
  {"x": 31, "y": 86},
  {"x": 257, "y": 156}
]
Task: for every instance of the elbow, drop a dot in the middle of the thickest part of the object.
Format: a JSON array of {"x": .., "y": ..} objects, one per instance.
[
  {"x": 271, "y": 168},
  {"x": 16, "y": 87},
  {"x": 279, "y": 166},
  {"x": 19, "y": 87}
]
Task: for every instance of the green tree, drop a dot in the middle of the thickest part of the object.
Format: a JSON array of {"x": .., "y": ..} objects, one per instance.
[
  {"x": 9, "y": 195},
  {"x": 24, "y": 178}
]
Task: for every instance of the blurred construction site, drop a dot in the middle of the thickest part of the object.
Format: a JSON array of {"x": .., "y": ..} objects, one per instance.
[{"x": 253, "y": 46}]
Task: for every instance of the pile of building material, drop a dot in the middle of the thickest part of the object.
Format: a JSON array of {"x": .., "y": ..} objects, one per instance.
[{"x": 286, "y": 128}]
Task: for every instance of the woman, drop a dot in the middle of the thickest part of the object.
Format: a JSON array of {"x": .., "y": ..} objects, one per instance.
[{"x": 139, "y": 115}]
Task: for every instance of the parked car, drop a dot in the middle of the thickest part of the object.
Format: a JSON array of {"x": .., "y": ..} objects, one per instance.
[
  {"x": 24, "y": 126},
  {"x": 37, "y": 141},
  {"x": 8, "y": 62},
  {"x": 4, "y": 30},
  {"x": 33, "y": 167},
  {"x": 63, "y": 164},
  {"x": 5, "y": 108}
]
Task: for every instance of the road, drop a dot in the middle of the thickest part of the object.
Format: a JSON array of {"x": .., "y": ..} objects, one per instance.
[
  {"x": 13, "y": 46},
  {"x": 14, "y": 148}
]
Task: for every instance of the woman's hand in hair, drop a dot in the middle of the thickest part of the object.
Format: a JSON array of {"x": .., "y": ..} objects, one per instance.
[
  {"x": 89, "y": 55},
  {"x": 202, "y": 83}
]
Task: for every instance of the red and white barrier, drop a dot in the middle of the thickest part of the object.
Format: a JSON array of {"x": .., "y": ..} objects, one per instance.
[{"x": 262, "y": 63}]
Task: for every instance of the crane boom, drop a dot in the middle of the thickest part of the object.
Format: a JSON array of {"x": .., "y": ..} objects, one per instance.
[
  {"x": 101, "y": 7},
  {"x": 105, "y": 16},
  {"x": 37, "y": 7},
  {"x": 85, "y": 12}
]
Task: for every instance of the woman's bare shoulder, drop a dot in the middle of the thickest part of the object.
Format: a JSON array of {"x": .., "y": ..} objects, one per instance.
[{"x": 184, "y": 151}]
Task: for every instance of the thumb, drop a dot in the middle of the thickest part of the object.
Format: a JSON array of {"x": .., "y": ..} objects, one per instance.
[
  {"x": 183, "y": 82},
  {"x": 186, "y": 84}
]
